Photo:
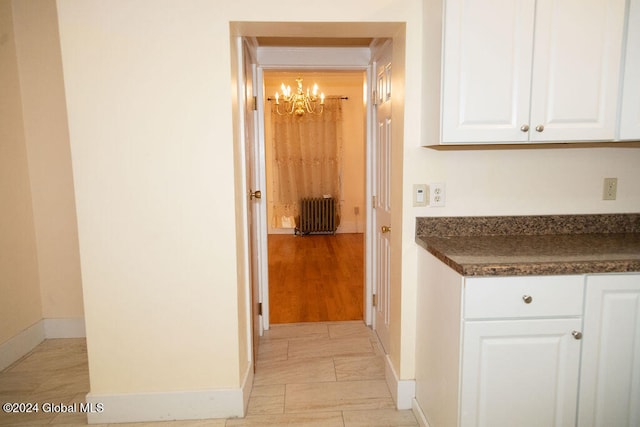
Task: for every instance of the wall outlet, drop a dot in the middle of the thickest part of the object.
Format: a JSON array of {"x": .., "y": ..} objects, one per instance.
[
  {"x": 437, "y": 194},
  {"x": 610, "y": 189}
]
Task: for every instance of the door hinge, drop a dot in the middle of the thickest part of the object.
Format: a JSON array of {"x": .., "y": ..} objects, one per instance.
[
  {"x": 373, "y": 202},
  {"x": 375, "y": 300},
  {"x": 374, "y": 97},
  {"x": 255, "y": 103},
  {"x": 259, "y": 309}
]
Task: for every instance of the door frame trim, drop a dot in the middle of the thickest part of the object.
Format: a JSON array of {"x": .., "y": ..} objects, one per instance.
[{"x": 323, "y": 59}]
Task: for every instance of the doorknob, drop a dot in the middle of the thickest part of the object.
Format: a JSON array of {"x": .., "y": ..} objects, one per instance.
[
  {"x": 255, "y": 194},
  {"x": 385, "y": 229}
]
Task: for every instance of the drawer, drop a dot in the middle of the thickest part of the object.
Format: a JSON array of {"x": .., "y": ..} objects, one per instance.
[{"x": 523, "y": 296}]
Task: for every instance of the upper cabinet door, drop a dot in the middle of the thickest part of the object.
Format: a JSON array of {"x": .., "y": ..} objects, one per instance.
[
  {"x": 487, "y": 70},
  {"x": 630, "y": 111},
  {"x": 576, "y": 68}
]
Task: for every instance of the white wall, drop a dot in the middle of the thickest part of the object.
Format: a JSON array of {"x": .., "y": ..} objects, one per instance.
[{"x": 532, "y": 181}]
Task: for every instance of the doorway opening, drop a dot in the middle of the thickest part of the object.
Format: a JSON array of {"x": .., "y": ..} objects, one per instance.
[
  {"x": 317, "y": 277},
  {"x": 313, "y": 46}
]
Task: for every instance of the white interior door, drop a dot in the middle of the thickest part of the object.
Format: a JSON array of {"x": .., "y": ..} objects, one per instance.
[
  {"x": 255, "y": 204},
  {"x": 381, "y": 224}
]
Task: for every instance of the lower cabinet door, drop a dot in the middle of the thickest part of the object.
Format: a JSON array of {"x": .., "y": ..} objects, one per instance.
[
  {"x": 610, "y": 377},
  {"x": 520, "y": 372}
]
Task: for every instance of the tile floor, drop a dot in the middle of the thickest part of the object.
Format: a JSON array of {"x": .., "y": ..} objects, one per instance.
[{"x": 309, "y": 374}]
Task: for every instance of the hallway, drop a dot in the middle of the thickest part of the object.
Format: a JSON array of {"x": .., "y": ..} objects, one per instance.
[{"x": 308, "y": 374}]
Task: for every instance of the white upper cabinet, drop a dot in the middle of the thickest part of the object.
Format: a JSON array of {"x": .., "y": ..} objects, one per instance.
[
  {"x": 630, "y": 108},
  {"x": 531, "y": 70},
  {"x": 487, "y": 70},
  {"x": 576, "y": 68}
]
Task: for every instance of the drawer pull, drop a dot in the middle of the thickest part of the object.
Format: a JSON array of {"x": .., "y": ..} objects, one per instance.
[
  {"x": 527, "y": 299},
  {"x": 577, "y": 335}
]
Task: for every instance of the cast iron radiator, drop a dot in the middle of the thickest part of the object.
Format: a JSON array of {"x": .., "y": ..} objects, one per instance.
[{"x": 317, "y": 215}]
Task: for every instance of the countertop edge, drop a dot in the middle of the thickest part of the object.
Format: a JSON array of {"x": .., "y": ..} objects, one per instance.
[
  {"x": 441, "y": 256},
  {"x": 531, "y": 268}
]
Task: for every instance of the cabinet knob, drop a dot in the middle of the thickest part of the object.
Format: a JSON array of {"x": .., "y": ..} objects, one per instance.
[
  {"x": 539, "y": 128},
  {"x": 527, "y": 299},
  {"x": 524, "y": 128},
  {"x": 577, "y": 334}
]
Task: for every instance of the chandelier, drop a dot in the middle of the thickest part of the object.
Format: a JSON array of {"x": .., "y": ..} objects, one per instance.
[{"x": 299, "y": 103}]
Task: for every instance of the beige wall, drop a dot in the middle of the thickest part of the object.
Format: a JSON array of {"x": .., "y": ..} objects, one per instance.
[
  {"x": 331, "y": 83},
  {"x": 49, "y": 158},
  {"x": 151, "y": 127},
  {"x": 40, "y": 262},
  {"x": 149, "y": 104},
  {"x": 20, "y": 305},
  {"x": 150, "y": 121}
]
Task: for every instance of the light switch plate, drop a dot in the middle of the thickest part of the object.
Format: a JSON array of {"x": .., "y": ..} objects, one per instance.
[{"x": 420, "y": 194}]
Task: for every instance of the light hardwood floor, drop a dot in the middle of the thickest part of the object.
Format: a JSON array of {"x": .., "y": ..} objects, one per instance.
[{"x": 316, "y": 278}]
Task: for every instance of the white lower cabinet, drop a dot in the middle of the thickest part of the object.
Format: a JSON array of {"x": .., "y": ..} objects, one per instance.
[
  {"x": 610, "y": 373},
  {"x": 521, "y": 351},
  {"x": 528, "y": 350},
  {"x": 520, "y": 373}
]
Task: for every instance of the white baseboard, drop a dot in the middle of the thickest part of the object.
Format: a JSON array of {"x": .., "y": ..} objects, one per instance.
[
  {"x": 22, "y": 343},
  {"x": 19, "y": 345},
  {"x": 247, "y": 386},
  {"x": 403, "y": 392},
  {"x": 64, "y": 328},
  {"x": 165, "y": 406},
  {"x": 417, "y": 412}
]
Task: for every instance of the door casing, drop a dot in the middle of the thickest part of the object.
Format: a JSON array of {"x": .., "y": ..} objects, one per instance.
[
  {"x": 358, "y": 58},
  {"x": 319, "y": 59}
]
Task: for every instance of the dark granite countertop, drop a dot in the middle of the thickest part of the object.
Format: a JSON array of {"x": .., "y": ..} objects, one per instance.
[{"x": 540, "y": 245}]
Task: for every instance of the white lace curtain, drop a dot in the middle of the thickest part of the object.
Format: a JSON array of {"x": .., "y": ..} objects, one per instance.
[{"x": 307, "y": 160}]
